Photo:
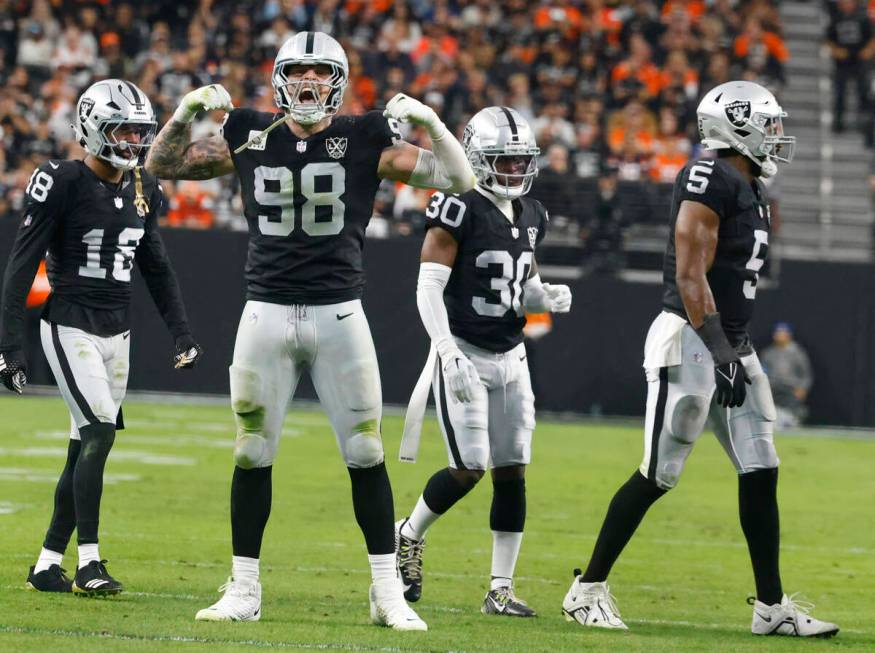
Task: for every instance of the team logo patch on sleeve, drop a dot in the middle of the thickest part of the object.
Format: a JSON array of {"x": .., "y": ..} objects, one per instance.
[
  {"x": 336, "y": 147},
  {"x": 738, "y": 112},
  {"x": 533, "y": 236}
]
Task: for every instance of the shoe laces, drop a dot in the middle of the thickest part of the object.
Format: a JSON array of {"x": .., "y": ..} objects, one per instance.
[
  {"x": 602, "y": 592},
  {"x": 800, "y": 606},
  {"x": 410, "y": 556},
  {"x": 235, "y": 588},
  {"x": 505, "y": 596}
]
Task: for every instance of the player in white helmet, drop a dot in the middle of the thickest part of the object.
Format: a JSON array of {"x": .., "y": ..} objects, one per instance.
[
  {"x": 477, "y": 280},
  {"x": 308, "y": 179},
  {"x": 699, "y": 361},
  {"x": 94, "y": 217}
]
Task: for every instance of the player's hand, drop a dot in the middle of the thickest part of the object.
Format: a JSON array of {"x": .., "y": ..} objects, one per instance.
[
  {"x": 559, "y": 296},
  {"x": 205, "y": 98},
  {"x": 13, "y": 370},
  {"x": 732, "y": 382},
  {"x": 188, "y": 352},
  {"x": 404, "y": 108},
  {"x": 460, "y": 375}
]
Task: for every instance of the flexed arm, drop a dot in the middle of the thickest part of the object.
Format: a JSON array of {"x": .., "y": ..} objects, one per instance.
[{"x": 174, "y": 156}]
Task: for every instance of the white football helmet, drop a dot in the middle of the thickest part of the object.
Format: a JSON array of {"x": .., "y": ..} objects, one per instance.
[
  {"x": 497, "y": 132},
  {"x": 302, "y": 99},
  {"x": 747, "y": 118},
  {"x": 115, "y": 122}
]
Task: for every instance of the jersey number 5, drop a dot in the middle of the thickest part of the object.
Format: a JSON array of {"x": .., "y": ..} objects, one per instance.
[
  {"x": 756, "y": 262},
  {"x": 321, "y": 185}
]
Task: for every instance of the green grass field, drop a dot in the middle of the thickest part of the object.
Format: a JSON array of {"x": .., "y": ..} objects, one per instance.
[{"x": 681, "y": 584}]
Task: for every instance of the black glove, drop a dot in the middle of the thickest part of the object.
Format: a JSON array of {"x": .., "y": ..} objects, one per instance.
[
  {"x": 729, "y": 374},
  {"x": 13, "y": 370},
  {"x": 731, "y": 379},
  {"x": 187, "y": 352}
]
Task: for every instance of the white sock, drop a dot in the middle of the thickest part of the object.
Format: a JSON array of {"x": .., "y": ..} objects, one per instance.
[
  {"x": 383, "y": 566},
  {"x": 88, "y": 553},
  {"x": 419, "y": 521},
  {"x": 244, "y": 569},
  {"x": 46, "y": 559},
  {"x": 505, "y": 550}
]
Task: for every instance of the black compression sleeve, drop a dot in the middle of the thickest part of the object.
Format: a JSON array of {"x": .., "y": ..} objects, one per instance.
[
  {"x": 712, "y": 334},
  {"x": 161, "y": 280}
]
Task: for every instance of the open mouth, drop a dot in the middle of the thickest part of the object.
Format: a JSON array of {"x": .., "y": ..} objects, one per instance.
[{"x": 307, "y": 97}]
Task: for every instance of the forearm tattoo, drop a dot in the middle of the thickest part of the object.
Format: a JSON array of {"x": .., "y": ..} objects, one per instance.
[{"x": 174, "y": 156}]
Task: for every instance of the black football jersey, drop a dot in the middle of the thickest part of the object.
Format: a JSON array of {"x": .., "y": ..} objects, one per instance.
[
  {"x": 307, "y": 203},
  {"x": 90, "y": 232},
  {"x": 742, "y": 240},
  {"x": 484, "y": 296}
]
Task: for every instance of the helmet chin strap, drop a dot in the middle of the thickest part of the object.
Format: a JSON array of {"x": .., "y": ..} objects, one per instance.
[{"x": 767, "y": 167}]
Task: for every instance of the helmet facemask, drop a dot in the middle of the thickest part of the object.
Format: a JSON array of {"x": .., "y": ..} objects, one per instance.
[
  {"x": 124, "y": 144},
  {"x": 507, "y": 175},
  {"x": 775, "y": 144},
  {"x": 309, "y": 100}
]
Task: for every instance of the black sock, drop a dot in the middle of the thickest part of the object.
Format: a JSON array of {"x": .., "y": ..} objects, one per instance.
[
  {"x": 374, "y": 507},
  {"x": 251, "y": 494},
  {"x": 508, "y": 513},
  {"x": 626, "y": 511},
  {"x": 64, "y": 515},
  {"x": 442, "y": 491},
  {"x": 758, "y": 509},
  {"x": 97, "y": 441}
]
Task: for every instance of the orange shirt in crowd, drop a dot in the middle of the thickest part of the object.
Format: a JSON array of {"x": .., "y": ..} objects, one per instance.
[
  {"x": 448, "y": 46},
  {"x": 772, "y": 42},
  {"x": 617, "y": 139},
  {"x": 694, "y": 8},
  {"x": 648, "y": 74},
  {"x": 667, "y": 165},
  {"x": 571, "y": 17},
  {"x": 189, "y": 209},
  {"x": 41, "y": 288}
]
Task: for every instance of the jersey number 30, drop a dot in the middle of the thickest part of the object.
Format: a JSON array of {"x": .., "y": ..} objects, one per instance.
[{"x": 321, "y": 184}]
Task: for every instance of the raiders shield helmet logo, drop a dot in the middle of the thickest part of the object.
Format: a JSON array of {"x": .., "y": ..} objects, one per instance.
[
  {"x": 85, "y": 107},
  {"x": 533, "y": 236},
  {"x": 738, "y": 112},
  {"x": 336, "y": 147}
]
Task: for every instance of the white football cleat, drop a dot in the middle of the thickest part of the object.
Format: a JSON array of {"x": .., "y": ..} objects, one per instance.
[
  {"x": 388, "y": 607},
  {"x": 788, "y": 617},
  {"x": 241, "y": 602},
  {"x": 591, "y": 604}
]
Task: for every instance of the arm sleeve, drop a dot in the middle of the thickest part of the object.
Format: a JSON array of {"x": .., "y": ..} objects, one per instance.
[
  {"x": 433, "y": 279},
  {"x": 45, "y": 199},
  {"x": 704, "y": 182},
  {"x": 158, "y": 273}
]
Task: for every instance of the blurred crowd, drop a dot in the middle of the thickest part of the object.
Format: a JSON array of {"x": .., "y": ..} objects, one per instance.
[{"x": 610, "y": 86}]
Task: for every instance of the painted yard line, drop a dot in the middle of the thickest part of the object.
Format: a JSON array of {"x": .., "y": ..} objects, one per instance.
[
  {"x": 37, "y": 476},
  {"x": 732, "y": 626},
  {"x": 252, "y": 643},
  {"x": 118, "y": 454}
]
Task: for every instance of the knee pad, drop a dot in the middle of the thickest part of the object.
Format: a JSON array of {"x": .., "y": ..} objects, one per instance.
[
  {"x": 250, "y": 449},
  {"x": 364, "y": 448},
  {"x": 688, "y": 418}
]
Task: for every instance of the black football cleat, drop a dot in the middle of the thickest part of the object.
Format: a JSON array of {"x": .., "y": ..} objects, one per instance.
[
  {"x": 409, "y": 553},
  {"x": 53, "y": 579},
  {"x": 504, "y": 602},
  {"x": 94, "y": 580}
]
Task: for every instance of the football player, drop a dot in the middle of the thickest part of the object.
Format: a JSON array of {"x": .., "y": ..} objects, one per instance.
[
  {"x": 308, "y": 188},
  {"x": 95, "y": 217},
  {"x": 699, "y": 361},
  {"x": 477, "y": 279}
]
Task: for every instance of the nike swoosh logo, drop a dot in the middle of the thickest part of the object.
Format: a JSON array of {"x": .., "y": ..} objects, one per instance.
[
  {"x": 764, "y": 618},
  {"x": 406, "y": 587},
  {"x": 343, "y": 317},
  {"x": 522, "y": 358},
  {"x": 125, "y": 336},
  {"x": 54, "y": 165}
]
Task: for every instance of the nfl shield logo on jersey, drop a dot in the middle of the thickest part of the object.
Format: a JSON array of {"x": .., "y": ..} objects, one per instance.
[
  {"x": 118, "y": 202},
  {"x": 336, "y": 147},
  {"x": 738, "y": 112},
  {"x": 258, "y": 143},
  {"x": 533, "y": 236},
  {"x": 514, "y": 232},
  {"x": 301, "y": 147}
]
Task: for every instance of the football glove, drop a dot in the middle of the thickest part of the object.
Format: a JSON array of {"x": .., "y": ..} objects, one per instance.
[
  {"x": 205, "y": 98},
  {"x": 460, "y": 375},
  {"x": 404, "y": 108},
  {"x": 731, "y": 380},
  {"x": 188, "y": 352},
  {"x": 13, "y": 370},
  {"x": 559, "y": 297}
]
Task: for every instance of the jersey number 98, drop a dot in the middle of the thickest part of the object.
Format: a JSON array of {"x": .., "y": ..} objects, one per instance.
[{"x": 321, "y": 184}]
